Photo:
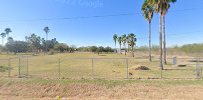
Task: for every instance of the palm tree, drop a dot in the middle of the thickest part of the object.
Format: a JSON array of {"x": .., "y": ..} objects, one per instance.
[
  {"x": 46, "y": 30},
  {"x": 148, "y": 12},
  {"x": 132, "y": 41},
  {"x": 124, "y": 40},
  {"x": 161, "y": 6},
  {"x": 3, "y": 35},
  {"x": 115, "y": 37},
  {"x": 7, "y": 31},
  {"x": 120, "y": 42},
  {"x": 166, "y": 8}
]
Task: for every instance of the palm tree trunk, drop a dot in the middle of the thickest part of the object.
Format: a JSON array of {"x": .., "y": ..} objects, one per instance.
[
  {"x": 160, "y": 38},
  {"x": 115, "y": 47},
  {"x": 165, "y": 60},
  {"x": 120, "y": 48},
  {"x": 133, "y": 51},
  {"x": 150, "y": 57},
  {"x": 46, "y": 36},
  {"x": 46, "y": 42},
  {"x": 125, "y": 49},
  {"x": 128, "y": 48}
]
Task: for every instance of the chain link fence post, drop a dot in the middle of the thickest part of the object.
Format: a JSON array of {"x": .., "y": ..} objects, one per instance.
[
  {"x": 198, "y": 68},
  {"x": 19, "y": 67},
  {"x": 9, "y": 67},
  {"x": 127, "y": 69},
  {"x": 196, "y": 72},
  {"x": 59, "y": 68},
  {"x": 27, "y": 67},
  {"x": 92, "y": 68}
]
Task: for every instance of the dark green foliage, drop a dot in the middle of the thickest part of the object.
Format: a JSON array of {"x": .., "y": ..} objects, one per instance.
[
  {"x": 34, "y": 42},
  {"x": 182, "y": 65},
  {"x": 142, "y": 68},
  {"x": 49, "y": 44},
  {"x": 61, "y": 47},
  {"x": 17, "y": 46},
  {"x": 95, "y": 49}
]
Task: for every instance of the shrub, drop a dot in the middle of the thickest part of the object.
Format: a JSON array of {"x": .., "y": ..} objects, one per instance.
[
  {"x": 142, "y": 68},
  {"x": 182, "y": 65}
]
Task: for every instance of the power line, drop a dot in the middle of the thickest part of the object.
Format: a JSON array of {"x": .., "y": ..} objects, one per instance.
[
  {"x": 81, "y": 17},
  {"x": 96, "y": 16}
]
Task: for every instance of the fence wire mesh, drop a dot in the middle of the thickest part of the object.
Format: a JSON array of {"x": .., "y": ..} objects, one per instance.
[
  {"x": 4, "y": 67},
  {"x": 46, "y": 68},
  {"x": 100, "y": 68}
]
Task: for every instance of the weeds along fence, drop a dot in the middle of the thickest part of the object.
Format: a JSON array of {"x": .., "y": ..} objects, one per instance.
[{"x": 100, "y": 68}]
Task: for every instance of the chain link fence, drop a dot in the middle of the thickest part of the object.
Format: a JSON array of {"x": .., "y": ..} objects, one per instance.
[
  {"x": 4, "y": 70},
  {"x": 100, "y": 68}
]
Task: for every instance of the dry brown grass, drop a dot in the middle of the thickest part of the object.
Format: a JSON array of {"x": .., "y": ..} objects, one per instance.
[{"x": 92, "y": 91}]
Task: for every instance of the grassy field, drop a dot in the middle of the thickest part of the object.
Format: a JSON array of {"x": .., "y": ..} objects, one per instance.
[
  {"x": 103, "y": 66},
  {"x": 106, "y": 79}
]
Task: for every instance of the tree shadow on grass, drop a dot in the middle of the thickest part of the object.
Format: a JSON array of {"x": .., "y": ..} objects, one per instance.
[
  {"x": 173, "y": 69},
  {"x": 101, "y": 55}
]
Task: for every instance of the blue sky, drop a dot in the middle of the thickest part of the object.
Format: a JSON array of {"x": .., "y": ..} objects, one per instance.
[{"x": 24, "y": 17}]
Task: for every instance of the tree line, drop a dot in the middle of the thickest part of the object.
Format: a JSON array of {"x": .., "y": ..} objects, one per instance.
[
  {"x": 33, "y": 43},
  {"x": 96, "y": 49},
  {"x": 37, "y": 44}
]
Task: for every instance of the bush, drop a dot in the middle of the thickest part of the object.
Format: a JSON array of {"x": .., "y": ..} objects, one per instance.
[
  {"x": 142, "y": 68},
  {"x": 182, "y": 65}
]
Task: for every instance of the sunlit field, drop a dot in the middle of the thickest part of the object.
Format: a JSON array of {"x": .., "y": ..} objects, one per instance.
[
  {"x": 85, "y": 75},
  {"x": 86, "y": 65}
]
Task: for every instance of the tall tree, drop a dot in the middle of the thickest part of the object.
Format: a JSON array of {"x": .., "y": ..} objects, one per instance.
[
  {"x": 124, "y": 40},
  {"x": 120, "y": 42},
  {"x": 7, "y": 31},
  {"x": 148, "y": 12},
  {"x": 161, "y": 6},
  {"x": 46, "y": 30},
  {"x": 34, "y": 42},
  {"x": 115, "y": 37},
  {"x": 132, "y": 42},
  {"x": 165, "y": 10},
  {"x": 3, "y": 35}
]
